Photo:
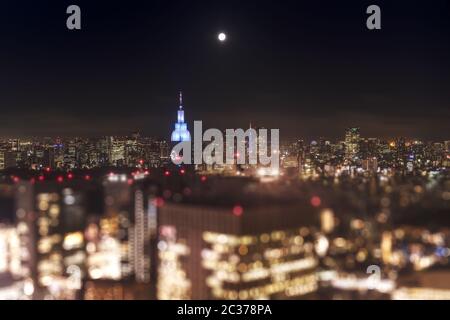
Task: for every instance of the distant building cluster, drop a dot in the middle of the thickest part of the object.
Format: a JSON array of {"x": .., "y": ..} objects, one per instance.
[
  {"x": 358, "y": 155},
  {"x": 83, "y": 153}
]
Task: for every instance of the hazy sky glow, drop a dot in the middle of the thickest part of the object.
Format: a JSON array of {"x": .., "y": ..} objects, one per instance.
[{"x": 309, "y": 69}]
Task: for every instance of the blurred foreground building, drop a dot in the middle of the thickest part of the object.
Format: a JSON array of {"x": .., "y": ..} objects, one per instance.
[{"x": 247, "y": 244}]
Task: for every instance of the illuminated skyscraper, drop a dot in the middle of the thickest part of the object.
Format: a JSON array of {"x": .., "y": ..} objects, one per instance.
[
  {"x": 116, "y": 148},
  {"x": 70, "y": 155},
  {"x": 235, "y": 251},
  {"x": 351, "y": 144},
  {"x": 119, "y": 245},
  {"x": 181, "y": 132},
  {"x": 50, "y": 224}
]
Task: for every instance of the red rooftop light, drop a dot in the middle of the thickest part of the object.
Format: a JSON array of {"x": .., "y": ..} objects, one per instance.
[
  {"x": 315, "y": 201},
  {"x": 158, "y": 202},
  {"x": 238, "y": 210}
]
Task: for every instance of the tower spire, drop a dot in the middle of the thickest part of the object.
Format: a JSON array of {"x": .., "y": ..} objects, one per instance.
[{"x": 181, "y": 132}]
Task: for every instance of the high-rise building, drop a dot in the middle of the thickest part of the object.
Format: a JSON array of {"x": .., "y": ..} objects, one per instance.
[
  {"x": 447, "y": 146},
  {"x": 2, "y": 160},
  {"x": 243, "y": 248},
  {"x": 119, "y": 244},
  {"x": 181, "y": 132},
  {"x": 116, "y": 151},
  {"x": 352, "y": 139},
  {"x": 370, "y": 164},
  {"x": 50, "y": 227},
  {"x": 70, "y": 155},
  {"x": 132, "y": 154},
  {"x": 7, "y": 159}
]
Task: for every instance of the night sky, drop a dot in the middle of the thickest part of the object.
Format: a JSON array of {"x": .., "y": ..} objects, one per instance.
[{"x": 309, "y": 68}]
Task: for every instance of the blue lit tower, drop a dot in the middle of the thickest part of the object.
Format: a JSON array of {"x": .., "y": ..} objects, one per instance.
[{"x": 181, "y": 133}]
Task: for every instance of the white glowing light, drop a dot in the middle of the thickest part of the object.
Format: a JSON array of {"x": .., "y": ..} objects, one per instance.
[
  {"x": 322, "y": 245},
  {"x": 222, "y": 36}
]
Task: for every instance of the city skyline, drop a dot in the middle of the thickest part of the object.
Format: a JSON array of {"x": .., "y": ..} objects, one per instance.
[{"x": 224, "y": 150}]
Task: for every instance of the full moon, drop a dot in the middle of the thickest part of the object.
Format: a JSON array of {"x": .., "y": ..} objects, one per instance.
[{"x": 222, "y": 36}]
